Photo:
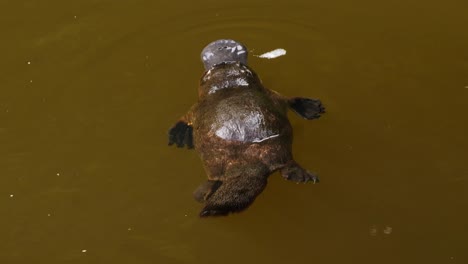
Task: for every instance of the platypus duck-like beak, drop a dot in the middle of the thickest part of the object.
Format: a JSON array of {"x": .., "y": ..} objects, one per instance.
[{"x": 223, "y": 50}]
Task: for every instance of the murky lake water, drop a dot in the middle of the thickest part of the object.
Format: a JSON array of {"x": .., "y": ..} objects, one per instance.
[{"x": 88, "y": 90}]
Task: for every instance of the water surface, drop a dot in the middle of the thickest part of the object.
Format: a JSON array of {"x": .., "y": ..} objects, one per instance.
[{"x": 88, "y": 90}]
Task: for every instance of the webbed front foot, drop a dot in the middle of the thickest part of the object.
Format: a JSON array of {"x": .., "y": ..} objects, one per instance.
[
  {"x": 306, "y": 107},
  {"x": 181, "y": 134},
  {"x": 294, "y": 172}
]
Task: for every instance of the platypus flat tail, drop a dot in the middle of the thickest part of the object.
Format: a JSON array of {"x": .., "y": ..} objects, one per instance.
[{"x": 236, "y": 193}]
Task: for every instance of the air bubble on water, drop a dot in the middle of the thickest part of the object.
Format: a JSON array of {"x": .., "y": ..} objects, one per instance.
[
  {"x": 11, "y": 195},
  {"x": 387, "y": 230},
  {"x": 373, "y": 230},
  {"x": 84, "y": 250}
]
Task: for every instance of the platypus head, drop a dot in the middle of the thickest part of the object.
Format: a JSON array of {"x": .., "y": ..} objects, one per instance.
[{"x": 223, "y": 50}]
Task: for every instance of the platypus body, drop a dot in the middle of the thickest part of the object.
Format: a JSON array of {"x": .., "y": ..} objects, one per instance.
[{"x": 240, "y": 130}]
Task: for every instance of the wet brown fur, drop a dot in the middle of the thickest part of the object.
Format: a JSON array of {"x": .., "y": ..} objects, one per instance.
[{"x": 237, "y": 170}]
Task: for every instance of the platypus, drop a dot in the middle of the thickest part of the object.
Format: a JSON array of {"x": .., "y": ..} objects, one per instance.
[{"x": 240, "y": 130}]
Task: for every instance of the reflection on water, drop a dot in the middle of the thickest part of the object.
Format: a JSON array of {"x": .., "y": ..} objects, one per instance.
[{"x": 89, "y": 89}]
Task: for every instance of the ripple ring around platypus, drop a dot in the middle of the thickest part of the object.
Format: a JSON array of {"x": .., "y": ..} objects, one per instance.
[{"x": 240, "y": 130}]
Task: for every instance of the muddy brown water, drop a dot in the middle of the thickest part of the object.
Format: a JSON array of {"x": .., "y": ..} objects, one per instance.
[{"x": 88, "y": 90}]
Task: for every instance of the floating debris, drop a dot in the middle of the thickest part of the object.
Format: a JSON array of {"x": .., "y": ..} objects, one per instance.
[
  {"x": 11, "y": 195},
  {"x": 273, "y": 54},
  {"x": 84, "y": 250}
]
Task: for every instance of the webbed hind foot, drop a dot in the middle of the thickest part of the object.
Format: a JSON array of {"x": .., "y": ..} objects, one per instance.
[
  {"x": 204, "y": 191},
  {"x": 294, "y": 172},
  {"x": 306, "y": 107}
]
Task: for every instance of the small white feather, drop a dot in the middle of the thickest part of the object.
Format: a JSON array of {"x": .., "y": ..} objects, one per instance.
[{"x": 273, "y": 54}]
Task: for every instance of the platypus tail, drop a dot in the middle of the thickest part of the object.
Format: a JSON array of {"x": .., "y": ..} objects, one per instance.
[{"x": 236, "y": 192}]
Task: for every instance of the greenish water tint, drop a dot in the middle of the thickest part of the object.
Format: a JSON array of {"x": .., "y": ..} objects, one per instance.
[{"x": 88, "y": 90}]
